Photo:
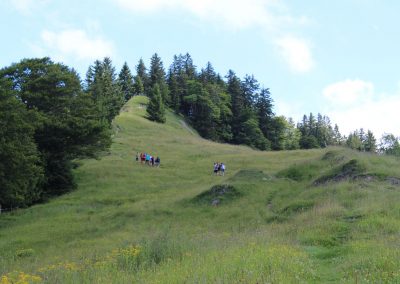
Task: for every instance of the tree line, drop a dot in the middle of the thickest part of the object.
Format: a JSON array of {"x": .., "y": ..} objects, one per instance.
[
  {"x": 49, "y": 118},
  {"x": 47, "y": 121}
]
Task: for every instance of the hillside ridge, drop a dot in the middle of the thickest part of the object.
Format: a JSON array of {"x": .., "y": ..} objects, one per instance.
[{"x": 128, "y": 222}]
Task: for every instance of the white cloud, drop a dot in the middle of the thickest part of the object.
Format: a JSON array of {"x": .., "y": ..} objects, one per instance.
[
  {"x": 271, "y": 16},
  {"x": 74, "y": 44},
  {"x": 353, "y": 104},
  {"x": 349, "y": 92},
  {"x": 27, "y": 6},
  {"x": 296, "y": 52},
  {"x": 232, "y": 13}
]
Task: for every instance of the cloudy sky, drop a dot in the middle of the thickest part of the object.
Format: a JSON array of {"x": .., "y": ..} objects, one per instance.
[{"x": 339, "y": 58}]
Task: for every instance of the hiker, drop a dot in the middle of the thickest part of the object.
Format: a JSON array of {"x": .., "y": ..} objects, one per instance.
[
  {"x": 137, "y": 157},
  {"x": 147, "y": 159},
  {"x": 222, "y": 169},
  {"x": 158, "y": 162},
  {"x": 219, "y": 169},
  {"x": 216, "y": 165},
  {"x": 142, "y": 158},
  {"x": 152, "y": 161}
]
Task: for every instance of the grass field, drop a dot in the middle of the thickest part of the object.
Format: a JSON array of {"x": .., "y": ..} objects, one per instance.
[{"x": 315, "y": 216}]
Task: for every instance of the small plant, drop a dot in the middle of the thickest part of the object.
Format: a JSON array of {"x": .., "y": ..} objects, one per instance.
[
  {"x": 221, "y": 192},
  {"x": 24, "y": 252}
]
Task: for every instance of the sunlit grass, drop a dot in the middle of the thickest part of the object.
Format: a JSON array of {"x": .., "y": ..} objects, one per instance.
[{"x": 129, "y": 222}]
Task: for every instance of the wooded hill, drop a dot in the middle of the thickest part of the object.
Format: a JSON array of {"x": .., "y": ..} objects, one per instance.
[
  {"x": 49, "y": 118},
  {"x": 301, "y": 216}
]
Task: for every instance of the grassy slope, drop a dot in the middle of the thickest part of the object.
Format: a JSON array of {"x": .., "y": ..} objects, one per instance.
[{"x": 280, "y": 228}]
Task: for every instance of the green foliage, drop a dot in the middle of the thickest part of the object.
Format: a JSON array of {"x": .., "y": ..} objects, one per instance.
[
  {"x": 155, "y": 108},
  {"x": 299, "y": 172},
  {"x": 113, "y": 228},
  {"x": 69, "y": 126},
  {"x": 141, "y": 72},
  {"x": 390, "y": 145},
  {"x": 105, "y": 89},
  {"x": 309, "y": 142},
  {"x": 318, "y": 133},
  {"x": 138, "y": 86},
  {"x": 221, "y": 193},
  {"x": 21, "y": 170},
  {"x": 350, "y": 170},
  {"x": 297, "y": 207},
  {"x": 125, "y": 80}
]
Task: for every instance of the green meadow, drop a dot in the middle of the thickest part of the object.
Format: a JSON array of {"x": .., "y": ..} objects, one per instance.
[{"x": 315, "y": 216}]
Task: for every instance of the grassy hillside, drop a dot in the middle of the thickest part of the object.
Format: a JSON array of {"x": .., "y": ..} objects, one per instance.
[{"x": 329, "y": 215}]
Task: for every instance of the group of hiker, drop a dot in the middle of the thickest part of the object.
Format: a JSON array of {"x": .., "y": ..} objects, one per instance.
[
  {"x": 147, "y": 159},
  {"x": 219, "y": 169}
]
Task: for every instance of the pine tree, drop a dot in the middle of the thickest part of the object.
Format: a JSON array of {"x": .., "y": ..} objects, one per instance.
[
  {"x": 138, "y": 86},
  {"x": 157, "y": 76},
  {"x": 208, "y": 74},
  {"x": 240, "y": 114},
  {"x": 250, "y": 87},
  {"x": 125, "y": 80},
  {"x": 265, "y": 113},
  {"x": 175, "y": 98},
  {"x": 141, "y": 72},
  {"x": 105, "y": 89},
  {"x": 155, "y": 108},
  {"x": 157, "y": 73},
  {"x": 189, "y": 67}
]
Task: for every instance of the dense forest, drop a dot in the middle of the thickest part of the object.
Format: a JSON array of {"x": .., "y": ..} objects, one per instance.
[{"x": 49, "y": 118}]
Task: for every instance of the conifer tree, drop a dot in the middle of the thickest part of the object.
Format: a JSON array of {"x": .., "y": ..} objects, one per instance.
[
  {"x": 208, "y": 74},
  {"x": 189, "y": 67},
  {"x": 125, "y": 80},
  {"x": 138, "y": 86},
  {"x": 141, "y": 72},
  {"x": 155, "y": 108},
  {"x": 157, "y": 73},
  {"x": 157, "y": 76},
  {"x": 105, "y": 89},
  {"x": 175, "y": 98},
  {"x": 250, "y": 87},
  {"x": 240, "y": 114},
  {"x": 265, "y": 113}
]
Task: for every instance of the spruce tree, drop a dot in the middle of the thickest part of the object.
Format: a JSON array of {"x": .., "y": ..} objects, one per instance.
[
  {"x": 138, "y": 86},
  {"x": 240, "y": 114},
  {"x": 141, "y": 72},
  {"x": 155, "y": 108},
  {"x": 174, "y": 90},
  {"x": 265, "y": 113},
  {"x": 125, "y": 80},
  {"x": 157, "y": 76},
  {"x": 105, "y": 89},
  {"x": 157, "y": 73}
]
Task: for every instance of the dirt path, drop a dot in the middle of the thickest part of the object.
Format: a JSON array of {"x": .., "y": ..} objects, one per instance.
[{"x": 185, "y": 126}]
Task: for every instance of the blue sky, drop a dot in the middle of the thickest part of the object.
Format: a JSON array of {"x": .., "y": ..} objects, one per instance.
[{"x": 340, "y": 58}]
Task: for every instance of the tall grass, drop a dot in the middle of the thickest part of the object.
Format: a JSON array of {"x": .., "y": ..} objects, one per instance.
[{"x": 129, "y": 222}]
